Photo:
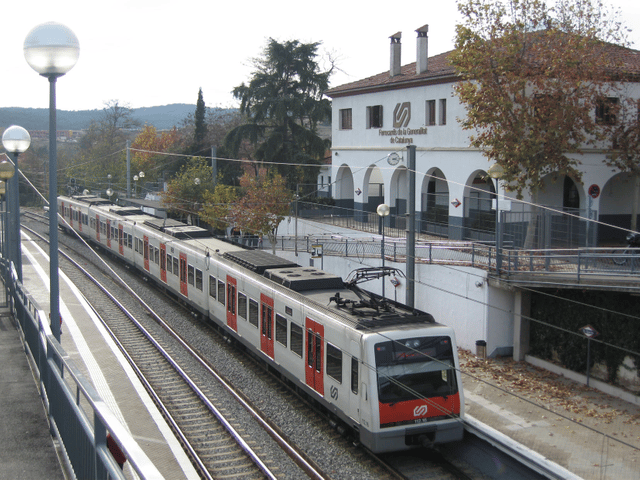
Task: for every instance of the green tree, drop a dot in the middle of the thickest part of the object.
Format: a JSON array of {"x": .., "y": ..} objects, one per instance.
[
  {"x": 532, "y": 76},
  {"x": 200, "y": 146},
  {"x": 283, "y": 104},
  {"x": 217, "y": 206},
  {"x": 264, "y": 204},
  {"x": 185, "y": 194}
]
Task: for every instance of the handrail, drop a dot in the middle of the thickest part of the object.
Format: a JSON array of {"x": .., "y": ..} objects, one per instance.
[{"x": 63, "y": 387}]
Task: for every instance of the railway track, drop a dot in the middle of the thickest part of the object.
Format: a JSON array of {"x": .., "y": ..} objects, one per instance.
[
  {"x": 199, "y": 412},
  {"x": 419, "y": 464}
]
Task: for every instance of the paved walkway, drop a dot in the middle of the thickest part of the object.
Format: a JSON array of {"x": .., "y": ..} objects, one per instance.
[
  {"x": 27, "y": 450},
  {"x": 591, "y": 434}
]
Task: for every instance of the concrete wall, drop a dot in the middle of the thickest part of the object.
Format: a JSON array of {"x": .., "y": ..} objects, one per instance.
[{"x": 457, "y": 296}]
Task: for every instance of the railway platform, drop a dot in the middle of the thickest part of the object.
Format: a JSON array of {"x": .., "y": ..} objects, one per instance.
[
  {"x": 558, "y": 442},
  {"x": 96, "y": 355}
]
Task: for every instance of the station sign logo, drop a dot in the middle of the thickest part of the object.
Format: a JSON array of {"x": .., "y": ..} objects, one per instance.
[{"x": 401, "y": 133}]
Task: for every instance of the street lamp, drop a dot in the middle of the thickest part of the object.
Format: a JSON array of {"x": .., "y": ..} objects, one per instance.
[
  {"x": 3, "y": 191},
  {"x": 135, "y": 186},
  {"x": 383, "y": 211},
  {"x": 52, "y": 49},
  {"x": 6, "y": 172},
  {"x": 140, "y": 176},
  {"x": 15, "y": 140},
  {"x": 496, "y": 172}
]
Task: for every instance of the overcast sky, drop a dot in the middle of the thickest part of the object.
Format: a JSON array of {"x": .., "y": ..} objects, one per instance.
[{"x": 157, "y": 52}]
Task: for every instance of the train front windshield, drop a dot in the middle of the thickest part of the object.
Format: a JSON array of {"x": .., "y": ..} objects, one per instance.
[{"x": 415, "y": 368}]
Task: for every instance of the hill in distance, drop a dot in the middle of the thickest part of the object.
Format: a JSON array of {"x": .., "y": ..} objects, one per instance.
[{"x": 163, "y": 117}]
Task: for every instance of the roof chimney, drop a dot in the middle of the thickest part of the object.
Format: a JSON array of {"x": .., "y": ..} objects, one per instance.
[
  {"x": 395, "y": 54},
  {"x": 422, "y": 49}
]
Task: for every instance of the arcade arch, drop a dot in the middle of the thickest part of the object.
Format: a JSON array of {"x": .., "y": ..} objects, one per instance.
[
  {"x": 344, "y": 188},
  {"x": 434, "y": 203}
]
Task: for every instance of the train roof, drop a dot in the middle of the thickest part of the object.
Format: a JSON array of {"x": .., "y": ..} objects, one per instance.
[
  {"x": 301, "y": 279},
  {"x": 91, "y": 199},
  {"x": 258, "y": 261}
]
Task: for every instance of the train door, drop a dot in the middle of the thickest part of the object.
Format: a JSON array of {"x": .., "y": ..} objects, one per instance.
[
  {"x": 232, "y": 295},
  {"x": 313, "y": 375},
  {"x": 183, "y": 275},
  {"x": 146, "y": 252},
  {"x": 121, "y": 239},
  {"x": 98, "y": 228},
  {"x": 354, "y": 380},
  {"x": 80, "y": 216},
  {"x": 109, "y": 233},
  {"x": 163, "y": 262},
  {"x": 267, "y": 326}
]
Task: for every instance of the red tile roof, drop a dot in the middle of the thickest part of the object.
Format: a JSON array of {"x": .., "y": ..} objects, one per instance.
[
  {"x": 626, "y": 61},
  {"x": 438, "y": 71}
]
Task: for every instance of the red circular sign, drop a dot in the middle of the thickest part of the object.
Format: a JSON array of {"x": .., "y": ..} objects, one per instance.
[{"x": 594, "y": 191}]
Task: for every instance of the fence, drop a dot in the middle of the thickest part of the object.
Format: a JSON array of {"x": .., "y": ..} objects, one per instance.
[
  {"x": 574, "y": 264},
  {"x": 521, "y": 226},
  {"x": 78, "y": 417}
]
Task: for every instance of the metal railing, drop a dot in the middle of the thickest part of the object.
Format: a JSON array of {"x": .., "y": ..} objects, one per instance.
[
  {"x": 576, "y": 263},
  {"x": 78, "y": 416}
]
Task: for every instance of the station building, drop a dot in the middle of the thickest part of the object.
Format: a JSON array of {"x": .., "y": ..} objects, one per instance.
[{"x": 376, "y": 118}]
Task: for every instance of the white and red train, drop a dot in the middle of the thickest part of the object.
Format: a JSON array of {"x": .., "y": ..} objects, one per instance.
[{"x": 388, "y": 372}]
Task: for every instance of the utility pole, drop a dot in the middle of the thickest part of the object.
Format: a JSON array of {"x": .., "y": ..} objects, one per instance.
[
  {"x": 214, "y": 163},
  {"x": 128, "y": 168},
  {"x": 411, "y": 233}
]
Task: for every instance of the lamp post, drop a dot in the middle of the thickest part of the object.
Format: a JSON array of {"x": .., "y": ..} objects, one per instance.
[
  {"x": 135, "y": 186},
  {"x": 496, "y": 171},
  {"x": 383, "y": 211},
  {"x": 15, "y": 140},
  {"x": 3, "y": 222},
  {"x": 6, "y": 172},
  {"x": 141, "y": 176},
  {"x": 52, "y": 49}
]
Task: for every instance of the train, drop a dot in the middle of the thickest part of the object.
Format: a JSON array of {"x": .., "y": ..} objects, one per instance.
[{"x": 389, "y": 373}]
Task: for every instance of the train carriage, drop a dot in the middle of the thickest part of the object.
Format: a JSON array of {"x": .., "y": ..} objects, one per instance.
[{"x": 389, "y": 373}]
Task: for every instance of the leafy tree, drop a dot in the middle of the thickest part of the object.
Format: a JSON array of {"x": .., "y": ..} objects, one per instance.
[
  {"x": 264, "y": 205},
  {"x": 284, "y": 104},
  {"x": 147, "y": 149},
  {"x": 217, "y": 206},
  {"x": 185, "y": 193},
  {"x": 199, "y": 146},
  {"x": 533, "y": 74}
]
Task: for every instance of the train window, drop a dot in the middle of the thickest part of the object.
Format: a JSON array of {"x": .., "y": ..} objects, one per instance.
[
  {"x": 175, "y": 266},
  {"x": 156, "y": 253},
  {"x": 354, "y": 375},
  {"x": 242, "y": 305},
  {"x": 221, "y": 291},
  {"x": 169, "y": 263},
  {"x": 253, "y": 312},
  {"x": 191, "y": 275},
  {"x": 183, "y": 270},
  {"x": 296, "y": 339},
  {"x": 281, "y": 329},
  {"x": 199, "y": 279},
  {"x": 267, "y": 319},
  {"x": 129, "y": 241},
  {"x": 212, "y": 286},
  {"x": 231, "y": 304},
  {"x": 334, "y": 363}
]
